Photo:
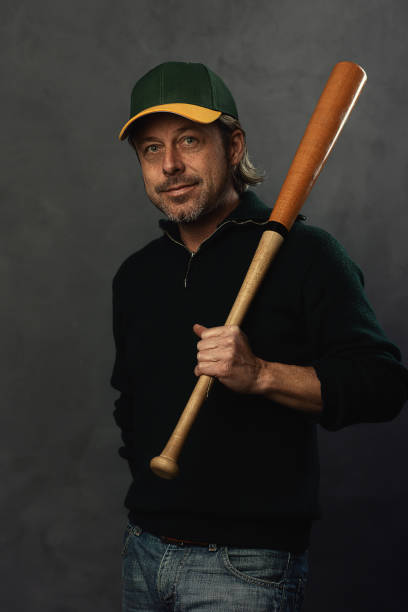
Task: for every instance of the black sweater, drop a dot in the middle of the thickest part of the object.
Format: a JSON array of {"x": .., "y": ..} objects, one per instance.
[{"x": 249, "y": 471}]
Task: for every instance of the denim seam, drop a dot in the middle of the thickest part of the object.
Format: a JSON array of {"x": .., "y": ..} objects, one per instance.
[
  {"x": 126, "y": 544},
  {"x": 187, "y": 553},
  {"x": 131, "y": 531},
  {"x": 288, "y": 564},
  {"x": 300, "y": 592},
  {"x": 160, "y": 571}
]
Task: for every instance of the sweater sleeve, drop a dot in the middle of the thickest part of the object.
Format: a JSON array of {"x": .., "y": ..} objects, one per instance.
[
  {"x": 360, "y": 370},
  {"x": 119, "y": 379}
]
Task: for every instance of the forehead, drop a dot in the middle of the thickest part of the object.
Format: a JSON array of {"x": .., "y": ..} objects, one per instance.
[{"x": 160, "y": 125}]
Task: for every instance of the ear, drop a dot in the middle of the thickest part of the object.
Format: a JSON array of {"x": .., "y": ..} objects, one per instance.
[{"x": 237, "y": 146}]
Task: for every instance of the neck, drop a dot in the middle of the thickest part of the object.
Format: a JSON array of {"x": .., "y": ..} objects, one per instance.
[{"x": 194, "y": 233}]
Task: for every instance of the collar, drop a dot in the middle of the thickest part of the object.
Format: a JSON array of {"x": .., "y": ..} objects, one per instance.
[{"x": 249, "y": 208}]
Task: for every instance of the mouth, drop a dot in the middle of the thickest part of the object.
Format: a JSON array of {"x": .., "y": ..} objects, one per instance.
[{"x": 180, "y": 189}]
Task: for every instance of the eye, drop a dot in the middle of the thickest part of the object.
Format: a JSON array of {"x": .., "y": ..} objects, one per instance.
[
  {"x": 153, "y": 148},
  {"x": 190, "y": 140}
]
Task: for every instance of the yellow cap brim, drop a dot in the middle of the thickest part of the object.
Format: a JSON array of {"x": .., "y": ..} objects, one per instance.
[{"x": 190, "y": 111}]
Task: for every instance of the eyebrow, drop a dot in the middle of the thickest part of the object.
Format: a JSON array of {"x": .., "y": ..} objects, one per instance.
[{"x": 150, "y": 138}]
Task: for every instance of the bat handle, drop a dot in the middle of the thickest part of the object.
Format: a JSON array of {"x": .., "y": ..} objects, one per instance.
[{"x": 165, "y": 464}]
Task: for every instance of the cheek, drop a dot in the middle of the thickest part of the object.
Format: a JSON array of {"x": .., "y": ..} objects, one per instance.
[
  {"x": 213, "y": 168},
  {"x": 218, "y": 173},
  {"x": 149, "y": 177}
]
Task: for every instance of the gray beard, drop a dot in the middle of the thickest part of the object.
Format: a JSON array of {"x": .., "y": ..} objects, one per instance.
[
  {"x": 201, "y": 208},
  {"x": 194, "y": 214}
]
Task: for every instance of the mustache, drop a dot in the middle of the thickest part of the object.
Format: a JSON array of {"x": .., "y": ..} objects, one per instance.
[{"x": 171, "y": 184}]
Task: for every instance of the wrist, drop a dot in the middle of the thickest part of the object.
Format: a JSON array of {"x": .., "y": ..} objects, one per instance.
[{"x": 264, "y": 380}]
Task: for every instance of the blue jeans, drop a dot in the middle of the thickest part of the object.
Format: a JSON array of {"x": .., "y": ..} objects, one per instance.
[{"x": 180, "y": 577}]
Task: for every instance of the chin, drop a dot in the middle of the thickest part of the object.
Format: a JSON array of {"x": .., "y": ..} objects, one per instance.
[
  {"x": 183, "y": 211},
  {"x": 187, "y": 216}
]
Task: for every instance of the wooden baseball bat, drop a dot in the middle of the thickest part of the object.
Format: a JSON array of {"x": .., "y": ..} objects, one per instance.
[{"x": 331, "y": 113}]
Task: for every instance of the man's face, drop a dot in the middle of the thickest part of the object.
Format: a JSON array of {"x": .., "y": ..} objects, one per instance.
[{"x": 185, "y": 167}]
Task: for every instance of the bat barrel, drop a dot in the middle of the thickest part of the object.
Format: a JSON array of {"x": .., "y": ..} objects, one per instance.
[{"x": 331, "y": 113}]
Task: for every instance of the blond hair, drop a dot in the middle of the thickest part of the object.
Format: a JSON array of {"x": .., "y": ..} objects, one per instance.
[{"x": 244, "y": 174}]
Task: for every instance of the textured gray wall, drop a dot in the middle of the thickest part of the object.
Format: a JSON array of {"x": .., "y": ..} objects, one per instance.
[{"x": 73, "y": 207}]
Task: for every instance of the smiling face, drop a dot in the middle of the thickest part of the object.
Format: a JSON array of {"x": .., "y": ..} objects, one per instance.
[{"x": 185, "y": 165}]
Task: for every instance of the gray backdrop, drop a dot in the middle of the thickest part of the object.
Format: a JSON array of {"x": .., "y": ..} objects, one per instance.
[{"x": 73, "y": 207}]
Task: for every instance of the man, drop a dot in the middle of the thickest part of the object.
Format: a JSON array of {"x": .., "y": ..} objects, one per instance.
[{"x": 232, "y": 531}]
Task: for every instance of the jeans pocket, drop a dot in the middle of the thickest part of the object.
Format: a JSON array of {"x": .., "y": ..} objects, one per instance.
[{"x": 260, "y": 566}]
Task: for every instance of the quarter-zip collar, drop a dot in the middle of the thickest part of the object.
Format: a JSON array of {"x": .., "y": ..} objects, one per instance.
[{"x": 249, "y": 208}]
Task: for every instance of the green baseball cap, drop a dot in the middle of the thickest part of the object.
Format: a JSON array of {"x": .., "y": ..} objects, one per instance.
[{"x": 183, "y": 88}]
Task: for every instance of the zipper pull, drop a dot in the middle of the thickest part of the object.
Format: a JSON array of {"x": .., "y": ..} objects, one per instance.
[{"x": 188, "y": 268}]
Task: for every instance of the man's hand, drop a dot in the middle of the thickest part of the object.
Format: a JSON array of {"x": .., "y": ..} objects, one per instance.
[{"x": 224, "y": 352}]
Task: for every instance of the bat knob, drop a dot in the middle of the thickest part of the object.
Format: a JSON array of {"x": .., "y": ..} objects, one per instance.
[{"x": 164, "y": 467}]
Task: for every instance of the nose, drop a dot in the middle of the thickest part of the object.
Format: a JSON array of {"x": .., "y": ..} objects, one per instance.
[{"x": 172, "y": 162}]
